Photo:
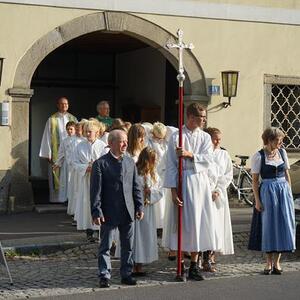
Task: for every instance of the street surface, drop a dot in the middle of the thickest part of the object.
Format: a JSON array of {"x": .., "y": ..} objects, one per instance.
[
  {"x": 74, "y": 271},
  {"x": 245, "y": 287}
]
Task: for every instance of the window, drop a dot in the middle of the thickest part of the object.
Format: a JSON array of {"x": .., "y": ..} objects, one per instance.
[{"x": 284, "y": 109}]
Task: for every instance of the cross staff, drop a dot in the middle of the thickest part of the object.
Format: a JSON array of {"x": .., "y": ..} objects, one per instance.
[{"x": 180, "y": 77}]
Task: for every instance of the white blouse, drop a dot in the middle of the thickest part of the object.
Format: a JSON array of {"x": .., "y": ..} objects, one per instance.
[{"x": 256, "y": 162}]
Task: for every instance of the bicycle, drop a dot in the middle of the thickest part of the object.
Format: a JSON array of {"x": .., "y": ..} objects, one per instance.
[{"x": 242, "y": 181}]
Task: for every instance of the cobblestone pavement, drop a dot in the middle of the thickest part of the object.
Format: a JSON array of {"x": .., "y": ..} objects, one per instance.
[{"x": 75, "y": 270}]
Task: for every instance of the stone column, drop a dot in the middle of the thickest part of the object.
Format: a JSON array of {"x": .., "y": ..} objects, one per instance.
[{"x": 20, "y": 185}]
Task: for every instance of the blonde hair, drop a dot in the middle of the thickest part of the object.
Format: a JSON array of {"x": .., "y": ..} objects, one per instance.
[
  {"x": 83, "y": 124},
  {"x": 127, "y": 125},
  {"x": 271, "y": 133},
  {"x": 117, "y": 123},
  {"x": 212, "y": 131},
  {"x": 135, "y": 132},
  {"x": 146, "y": 163},
  {"x": 100, "y": 126},
  {"x": 159, "y": 130}
]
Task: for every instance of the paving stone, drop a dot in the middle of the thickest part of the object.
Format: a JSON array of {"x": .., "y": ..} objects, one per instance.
[{"x": 75, "y": 270}]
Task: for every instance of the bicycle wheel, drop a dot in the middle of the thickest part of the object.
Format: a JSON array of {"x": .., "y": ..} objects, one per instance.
[{"x": 246, "y": 189}]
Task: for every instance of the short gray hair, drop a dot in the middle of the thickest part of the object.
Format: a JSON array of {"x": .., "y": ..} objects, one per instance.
[
  {"x": 103, "y": 102},
  {"x": 115, "y": 134},
  {"x": 272, "y": 133}
]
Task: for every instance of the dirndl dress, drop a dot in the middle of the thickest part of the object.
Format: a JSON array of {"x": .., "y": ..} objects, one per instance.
[{"x": 278, "y": 231}]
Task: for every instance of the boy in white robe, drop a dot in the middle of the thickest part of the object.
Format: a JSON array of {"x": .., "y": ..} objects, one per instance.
[
  {"x": 73, "y": 186},
  {"x": 64, "y": 162},
  {"x": 86, "y": 153},
  {"x": 198, "y": 230},
  {"x": 220, "y": 175}
]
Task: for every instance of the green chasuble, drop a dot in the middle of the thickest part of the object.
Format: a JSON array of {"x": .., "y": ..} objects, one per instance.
[{"x": 105, "y": 120}]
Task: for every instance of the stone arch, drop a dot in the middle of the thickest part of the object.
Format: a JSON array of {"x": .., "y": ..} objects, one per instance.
[
  {"x": 150, "y": 33},
  {"x": 136, "y": 27}
]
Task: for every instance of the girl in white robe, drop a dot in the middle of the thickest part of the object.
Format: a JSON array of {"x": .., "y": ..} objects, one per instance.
[
  {"x": 63, "y": 162},
  {"x": 220, "y": 175},
  {"x": 158, "y": 142},
  {"x": 145, "y": 248},
  {"x": 136, "y": 141},
  {"x": 86, "y": 153}
]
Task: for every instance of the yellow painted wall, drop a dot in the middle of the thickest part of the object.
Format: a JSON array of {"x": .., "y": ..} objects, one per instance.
[
  {"x": 287, "y": 4},
  {"x": 254, "y": 49},
  {"x": 21, "y": 26}
]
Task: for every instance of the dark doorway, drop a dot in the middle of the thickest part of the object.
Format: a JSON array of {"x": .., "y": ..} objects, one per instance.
[{"x": 135, "y": 78}]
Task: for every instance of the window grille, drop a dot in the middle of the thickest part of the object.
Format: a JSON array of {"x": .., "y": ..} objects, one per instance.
[{"x": 285, "y": 113}]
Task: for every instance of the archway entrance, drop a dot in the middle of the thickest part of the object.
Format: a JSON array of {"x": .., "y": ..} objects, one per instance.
[
  {"x": 143, "y": 32},
  {"x": 137, "y": 80}
]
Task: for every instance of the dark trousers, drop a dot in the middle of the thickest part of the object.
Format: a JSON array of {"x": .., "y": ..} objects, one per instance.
[{"x": 126, "y": 239}]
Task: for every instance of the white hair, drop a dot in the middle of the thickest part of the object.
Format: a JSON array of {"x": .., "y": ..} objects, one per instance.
[
  {"x": 115, "y": 135},
  {"x": 103, "y": 102}
]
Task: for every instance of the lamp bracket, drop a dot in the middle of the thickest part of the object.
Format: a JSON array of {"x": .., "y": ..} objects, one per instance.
[{"x": 228, "y": 103}]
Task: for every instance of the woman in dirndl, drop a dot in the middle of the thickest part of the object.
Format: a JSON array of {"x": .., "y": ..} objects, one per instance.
[{"x": 273, "y": 199}]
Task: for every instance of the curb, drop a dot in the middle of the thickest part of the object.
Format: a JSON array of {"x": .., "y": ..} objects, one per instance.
[{"x": 43, "y": 248}]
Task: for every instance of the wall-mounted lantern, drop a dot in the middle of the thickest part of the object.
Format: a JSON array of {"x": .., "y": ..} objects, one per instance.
[{"x": 229, "y": 85}]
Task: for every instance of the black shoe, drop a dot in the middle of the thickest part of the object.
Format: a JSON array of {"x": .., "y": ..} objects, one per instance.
[
  {"x": 276, "y": 271},
  {"x": 171, "y": 257},
  {"x": 267, "y": 271},
  {"x": 104, "y": 283},
  {"x": 139, "y": 274},
  {"x": 90, "y": 239},
  {"x": 195, "y": 274},
  {"x": 128, "y": 281}
]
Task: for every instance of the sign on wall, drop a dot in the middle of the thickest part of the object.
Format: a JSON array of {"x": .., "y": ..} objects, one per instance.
[{"x": 213, "y": 90}]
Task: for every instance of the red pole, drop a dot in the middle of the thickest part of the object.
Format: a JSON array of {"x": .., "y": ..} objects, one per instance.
[{"x": 179, "y": 189}]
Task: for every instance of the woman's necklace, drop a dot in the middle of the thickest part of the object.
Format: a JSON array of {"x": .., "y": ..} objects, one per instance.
[{"x": 271, "y": 154}]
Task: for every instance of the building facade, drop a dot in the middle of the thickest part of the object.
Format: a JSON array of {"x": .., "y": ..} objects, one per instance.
[{"x": 91, "y": 50}]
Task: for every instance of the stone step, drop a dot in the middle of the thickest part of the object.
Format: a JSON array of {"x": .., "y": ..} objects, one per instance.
[{"x": 50, "y": 208}]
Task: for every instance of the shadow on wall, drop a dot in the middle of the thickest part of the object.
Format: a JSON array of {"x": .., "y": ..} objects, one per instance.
[
  {"x": 5, "y": 180},
  {"x": 20, "y": 191}
]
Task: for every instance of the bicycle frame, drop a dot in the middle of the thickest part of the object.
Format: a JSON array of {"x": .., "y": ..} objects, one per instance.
[{"x": 237, "y": 184}]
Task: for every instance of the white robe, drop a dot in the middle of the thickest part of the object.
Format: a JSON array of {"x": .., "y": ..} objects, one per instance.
[
  {"x": 64, "y": 162},
  {"x": 198, "y": 230},
  {"x": 220, "y": 175},
  {"x": 46, "y": 151},
  {"x": 160, "y": 148},
  {"x": 145, "y": 248},
  {"x": 85, "y": 154},
  {"x": 74, "y": 182}
]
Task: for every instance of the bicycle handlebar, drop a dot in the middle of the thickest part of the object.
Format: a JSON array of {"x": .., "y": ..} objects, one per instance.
[
  {"x": 242, "y": 156},
  {"x": 243, "y": 159}
]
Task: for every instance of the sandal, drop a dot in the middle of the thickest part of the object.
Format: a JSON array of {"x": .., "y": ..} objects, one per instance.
[{"x": 207, "y": 267}]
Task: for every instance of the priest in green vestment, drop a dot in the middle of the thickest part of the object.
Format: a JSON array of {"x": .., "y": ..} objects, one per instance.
[{"x": 103, "y": 113}]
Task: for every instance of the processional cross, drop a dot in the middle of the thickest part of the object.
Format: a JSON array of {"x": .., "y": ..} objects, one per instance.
[{"x": 180, "y": 45}]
